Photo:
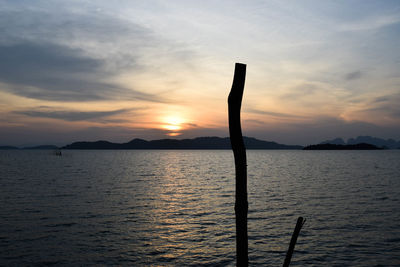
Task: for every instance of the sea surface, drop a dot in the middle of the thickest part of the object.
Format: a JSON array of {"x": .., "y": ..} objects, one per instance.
[{"x": 176, "y": 208}]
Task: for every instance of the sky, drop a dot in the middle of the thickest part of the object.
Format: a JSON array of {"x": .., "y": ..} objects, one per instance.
[{"x": 118, "y": 70}]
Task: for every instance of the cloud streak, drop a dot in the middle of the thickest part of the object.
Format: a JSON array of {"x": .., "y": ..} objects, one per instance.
[
  {"x": 387, "y": 105},
  {"x": 371, "y": 23},
  {"x": 353, "y": 75},
  {"x": 69, "y": 115},
  {"x": 59, "y": 73},
  {"x": 272, "y": 114},
  {"x": 57, "y": 53}
]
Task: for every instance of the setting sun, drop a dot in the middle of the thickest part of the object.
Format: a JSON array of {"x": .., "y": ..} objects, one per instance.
[{"x": 173, "y": 124}]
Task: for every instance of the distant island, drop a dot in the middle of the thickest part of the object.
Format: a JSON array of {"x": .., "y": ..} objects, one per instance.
[
  {"x": 379, "y": 142},
  {"x": 361, "y": 146},
  {"x": 195, "y": 143}
]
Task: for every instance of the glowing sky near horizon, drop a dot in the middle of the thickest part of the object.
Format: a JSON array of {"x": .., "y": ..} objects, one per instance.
[{"x": 117, "y": 70}]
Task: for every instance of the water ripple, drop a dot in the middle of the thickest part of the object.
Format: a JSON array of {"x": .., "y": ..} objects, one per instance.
[{"x": 175, "y": 208}]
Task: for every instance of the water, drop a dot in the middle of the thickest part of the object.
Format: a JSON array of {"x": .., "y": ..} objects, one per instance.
[{"x": 175, "y": 208}]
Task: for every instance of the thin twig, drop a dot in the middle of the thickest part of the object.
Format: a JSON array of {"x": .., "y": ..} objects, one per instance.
[{"x": 299, "y": 224}]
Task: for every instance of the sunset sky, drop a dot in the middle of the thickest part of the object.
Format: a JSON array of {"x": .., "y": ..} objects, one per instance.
[{"x": 118, "y": 70}]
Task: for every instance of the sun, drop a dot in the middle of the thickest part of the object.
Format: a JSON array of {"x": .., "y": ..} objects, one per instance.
[{"x": 173, "y": 124}]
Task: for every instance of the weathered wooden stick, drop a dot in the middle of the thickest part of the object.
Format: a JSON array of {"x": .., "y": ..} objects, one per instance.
[
  {"x": 293, "y": 241},
  {"x": 239, "y": 152}
]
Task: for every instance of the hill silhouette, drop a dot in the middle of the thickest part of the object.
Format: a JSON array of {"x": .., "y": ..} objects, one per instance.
[
  {"x": 195, "y": 143},
  {"x": 379, "y": 142},
  {"x": 361, "y": 146}
]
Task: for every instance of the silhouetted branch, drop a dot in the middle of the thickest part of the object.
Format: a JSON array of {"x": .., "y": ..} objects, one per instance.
[
  {"x": 239, "y": 152},
  {"x": 299, "y": 224}
]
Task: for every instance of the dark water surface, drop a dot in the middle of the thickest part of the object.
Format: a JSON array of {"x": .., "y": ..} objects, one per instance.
[{"x": 175, "y": 208}]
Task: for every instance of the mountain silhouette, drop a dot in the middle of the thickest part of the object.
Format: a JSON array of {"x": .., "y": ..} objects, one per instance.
[
  {"x": 361, "y": 146},
  {"x": 336, "y": 141},
  {"x": 196, "y": 143},
  {"x": 379, "y": 142}
]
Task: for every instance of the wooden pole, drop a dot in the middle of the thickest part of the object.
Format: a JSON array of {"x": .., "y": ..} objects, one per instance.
[
  {"x": 239, "y": 152},
  {"x": 293, "y": 240}
]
